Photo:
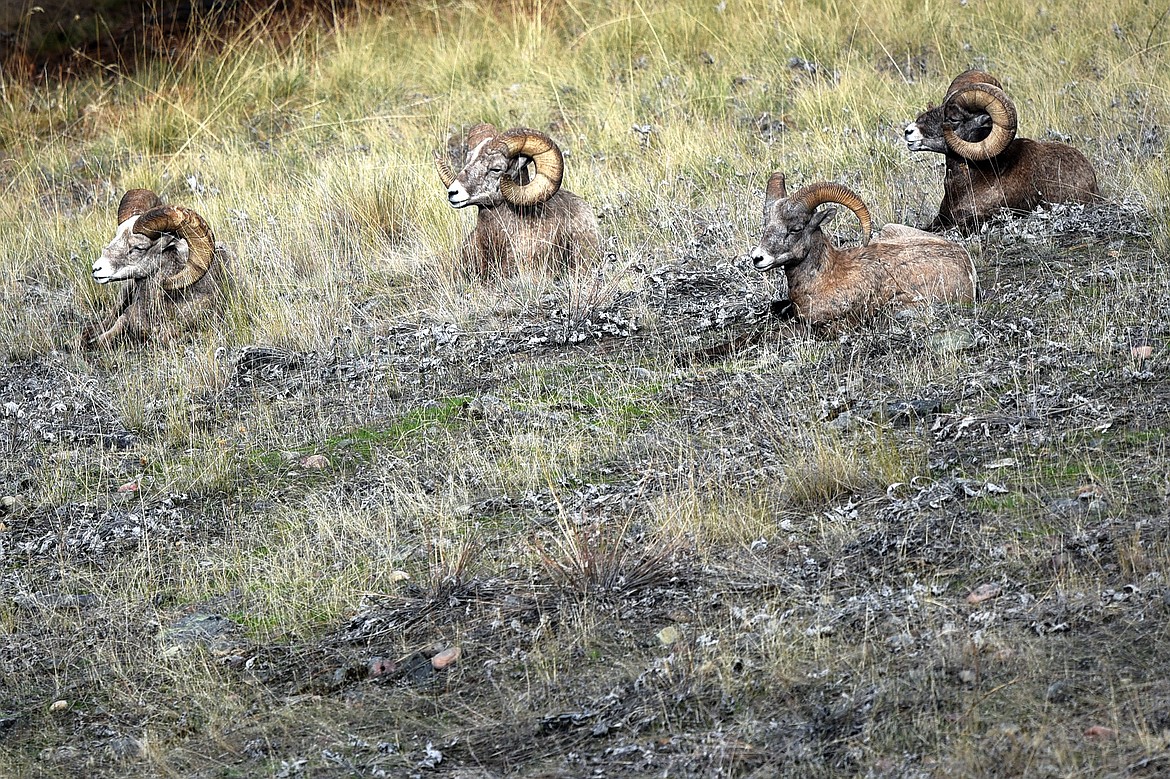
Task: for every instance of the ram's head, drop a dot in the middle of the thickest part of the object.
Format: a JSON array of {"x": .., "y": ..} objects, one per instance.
[
  {"x": 792, "y": 225},
  {"x": 496, "y": 170},
  {"x": 153, "y": 238},
  {"x": 968, "y": 121}
]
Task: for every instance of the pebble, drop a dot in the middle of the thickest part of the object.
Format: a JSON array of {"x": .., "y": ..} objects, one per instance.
[
  {"x": 59, "y": 706},
  {"x": 380, "y": 666},
  {"x": 1059, "y": 691},
  {"x": 130, "y": 486},
  {"x": 1142, "y": 352},
  {"x": 8, "y": 502},
  {"x": 901, "y": 642},
  {"x": 1099, "y": 733},
  {"x": 983, "y": 592},
  {"x": 399, "y": 576},
  {"x": 486, "y": 407},
  {"x": 315, "y": 461},
  {"x": 952, "y": 341},
  {"x": 214, "y": 631},
  {"x": 668, "y": 635},
  {"x": 446, "y": 658}
]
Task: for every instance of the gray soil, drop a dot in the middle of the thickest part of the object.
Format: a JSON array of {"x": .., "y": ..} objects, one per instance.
[{"x": 840, "y": 642}]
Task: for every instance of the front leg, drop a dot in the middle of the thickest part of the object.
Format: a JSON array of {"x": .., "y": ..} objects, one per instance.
[
  {"x": 105, "y": 340},
  {"x": 94, "y": 330}
]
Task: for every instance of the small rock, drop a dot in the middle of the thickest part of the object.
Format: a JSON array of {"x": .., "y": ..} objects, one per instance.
[
  {"x": 486, "y": 407},
  {"x": 967, "y": 676},
  {"x": 669, "y": 635},
  {"x": 1059, "y": 691},
  {"x": 901, "y": 642},
  {"x": 983, "y": 592},
  {"x": 844, "y": 421},
  {"x": 48, "y": 601},
  {"x": 58, "y": 706},
  {"x": 317, "y": 462},
  {"x": 399, "y": 576},
  {"x": 130, "y": 486},
  {"x": 951, "y": 341},
  {"x": 1141, "y": 352},
  {"x": 214, "y": 631},
  {"x": 380, "y": 666},
  {"x": 1066, "y": 506},
  {"x": 124, "y": 747},
  {"x": 903, "y": 412},
  {"x": 446, "y": 658},
  {"x": 1099, "y": 733},
  {"x": 8, "y": 503}
]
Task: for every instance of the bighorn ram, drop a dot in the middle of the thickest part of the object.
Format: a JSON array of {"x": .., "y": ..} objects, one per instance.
[
  {"x": 901, "y": 267},
  {"x": 524, "y": 222},
  {"x": 169, "y": 255},
  {"x": 988, "y": 167}
]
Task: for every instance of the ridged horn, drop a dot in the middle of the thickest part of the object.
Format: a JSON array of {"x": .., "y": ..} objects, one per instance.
[
  {"x": 479, "y": 133},
  {"x": 815, "y": 195},
  {"x": 775, "y": 190},
  {"x": 969, "y": 77},
  {"x": 991, "y": 100},
  {"x": 189, "y": 226},
  {"x": 136, "y": 202},
  {"x": 550, "y": 166},
  {"x": 445, "y": 172}
]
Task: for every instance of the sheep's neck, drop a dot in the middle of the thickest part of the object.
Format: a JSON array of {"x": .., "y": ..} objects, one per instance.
[{"x": 802, "y": 273}]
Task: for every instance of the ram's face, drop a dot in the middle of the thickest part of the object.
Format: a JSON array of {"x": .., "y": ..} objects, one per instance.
[
  {"x": 129, "y": 256},
  {"x": 478, "y": 184},
  {"x": 926, "y": 132},
  {"x": 787, "y": 236}
]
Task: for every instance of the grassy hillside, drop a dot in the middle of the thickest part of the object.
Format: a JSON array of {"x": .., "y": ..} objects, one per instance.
[{"x": 934, "y": 546}]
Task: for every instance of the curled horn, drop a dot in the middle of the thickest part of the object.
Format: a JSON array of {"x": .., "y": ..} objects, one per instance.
[
  {"x": 817, "y": 194},
  {"x": 445, "y": 172},
  {"x": 774, "y": 191},
  {"x": 969, "y": 77},
  {"x": 550, "y": 167},
  {"x": 136, "y": 202},
  {"x": 992, "y": 100},
  {"x": 480, "y": 133},
  {"x": 189, "y": 226}
]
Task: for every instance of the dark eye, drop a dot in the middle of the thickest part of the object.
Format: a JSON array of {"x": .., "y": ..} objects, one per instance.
[{"x": 498, "y": 168}]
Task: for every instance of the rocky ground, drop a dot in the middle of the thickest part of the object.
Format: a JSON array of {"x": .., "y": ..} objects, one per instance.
[{"x": 656, "y": 534}]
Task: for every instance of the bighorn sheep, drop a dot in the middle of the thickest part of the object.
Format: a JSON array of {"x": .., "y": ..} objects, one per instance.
[
  {"x": 524, "y": 222},
  {"x": 901, "y": 267},
  {"x": 176, "y": 269},
  {"x": 987, "y": 166}
]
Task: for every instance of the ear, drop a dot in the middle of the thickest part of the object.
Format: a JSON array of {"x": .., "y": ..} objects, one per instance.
[
  {"x": 820, "y": 216},
  {"x": 972, "y": 128},
  {"x": 517, "y": 169}
]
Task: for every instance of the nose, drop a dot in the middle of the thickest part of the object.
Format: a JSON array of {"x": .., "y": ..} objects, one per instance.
[
  {"x": 760, "y": 258},
  {"x": 909, "y": 129}
]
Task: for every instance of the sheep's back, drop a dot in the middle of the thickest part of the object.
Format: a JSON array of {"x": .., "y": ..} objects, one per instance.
[{"x": 923, "y": 268}]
